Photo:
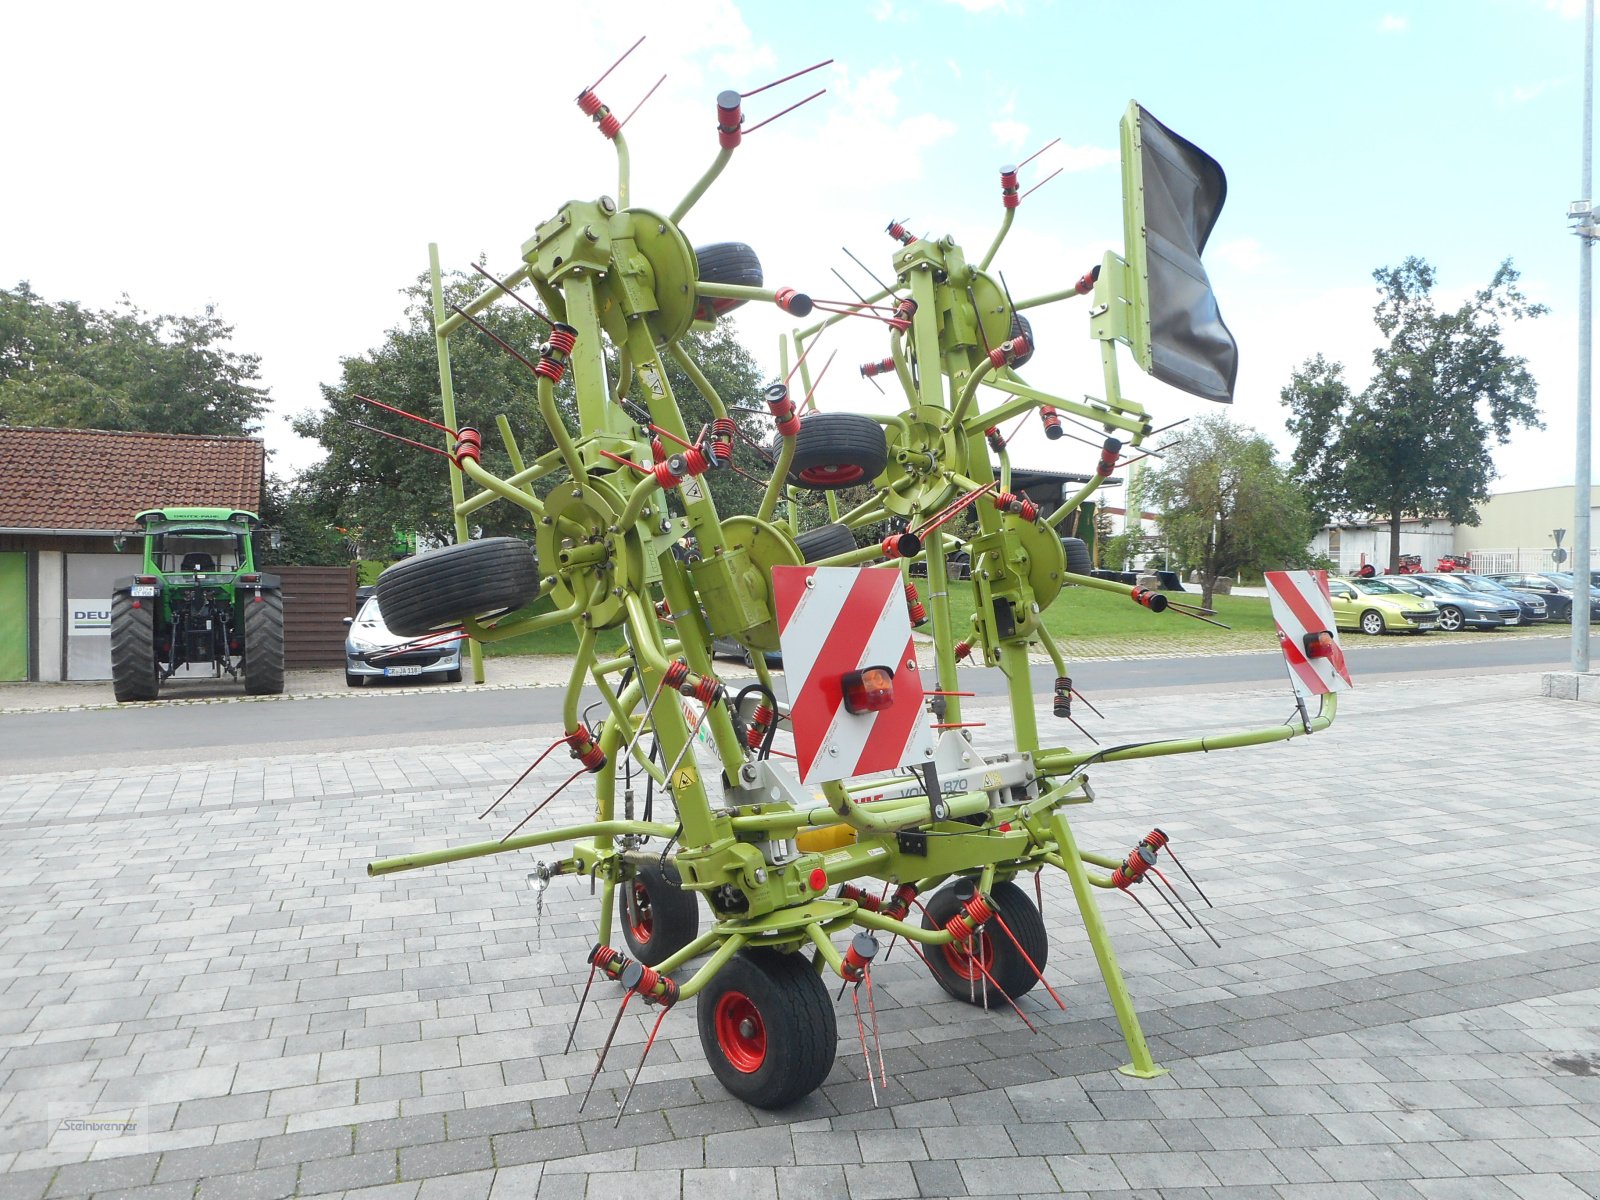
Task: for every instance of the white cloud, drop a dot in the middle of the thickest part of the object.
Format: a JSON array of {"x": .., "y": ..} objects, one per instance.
[
  {"x": 979, "y": 6},
  {"x": 1243, "y": 254},
  {"x": 1082, "y": 158},
  {"x": 1010, "y": 134},
  {"x": 1523, "y": 93},
  {"x": 1391, "y": 23}
]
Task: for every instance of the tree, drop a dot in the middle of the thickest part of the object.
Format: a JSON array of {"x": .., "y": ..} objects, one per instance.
[
  {"x": 69, "y": 366},
  {"x": 1417, "y": 441},
  {"x": 307, "y": 537},
  {"x": 373, "y": 486},
  {"x": 1225, "y": 505}
]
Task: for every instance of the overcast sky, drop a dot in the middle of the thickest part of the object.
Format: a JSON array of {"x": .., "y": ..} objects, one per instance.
[{"x": 290, "y": 163}]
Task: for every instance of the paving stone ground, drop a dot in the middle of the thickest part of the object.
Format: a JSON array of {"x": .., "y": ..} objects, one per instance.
[{"x": 1406, "y": 1002}]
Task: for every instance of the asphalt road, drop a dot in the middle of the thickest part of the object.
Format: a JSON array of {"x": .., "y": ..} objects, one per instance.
[{"x": 179, "y": 733}]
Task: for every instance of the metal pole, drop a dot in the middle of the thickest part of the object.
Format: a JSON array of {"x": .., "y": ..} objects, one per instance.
[{"x": 1580, "y": 477}]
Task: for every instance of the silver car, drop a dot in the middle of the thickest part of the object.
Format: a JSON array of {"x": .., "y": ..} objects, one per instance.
[
  {"x": 370, "y": 652},
  {"x": 1459, "y": 606}
]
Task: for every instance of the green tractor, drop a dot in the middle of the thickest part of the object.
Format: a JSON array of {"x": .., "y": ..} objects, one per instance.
[{"x": 198, "y": 599}]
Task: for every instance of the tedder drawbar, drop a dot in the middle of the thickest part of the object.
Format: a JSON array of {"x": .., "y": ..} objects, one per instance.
[{"x": 887, "y": 805}]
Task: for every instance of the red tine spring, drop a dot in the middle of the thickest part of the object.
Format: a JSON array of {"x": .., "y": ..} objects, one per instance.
[
  {"x": 606, "y": 958},
  {"x": 1008, "y": 187},
  {"x": 1155, "y": 839},
  {"x": 919, "y": 614},
  {"x": 901, "y": 904},
  {"x": 1108, "y": 457},
  {"x": 585, "y": 749},
  {"x": 723, "y": 431},
  {"x": 963, "y": 649},
  {"x": 1052, "y": 422},
  {"x": 978, "y": 910},
  {"x": 864, "y": 898},
  {"x": 469, "y": 444},
  {"x": 782, "y": 408},
  {"x": 996, "y": 442},
  {"x": 556, "y": 353},
  {"x": 1008, "y": 352},
  {"x": 677, "y": 671},
  {"x": 1019, "y": 506},
  {"x": 900, "y": 233},
  {"x": 589, "y": 104},
  {"x": 730, "y": 116},
  {"x": 759, "y": 721},
  {"x": 903, "y": 312},
  {"x": 882, "y": 366},
  {"x": 958, "y": 928}
]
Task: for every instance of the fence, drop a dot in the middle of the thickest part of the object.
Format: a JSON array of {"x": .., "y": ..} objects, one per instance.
[
  {"x": 1525, "y": 558},
  {"x": 316, "y": 600}
]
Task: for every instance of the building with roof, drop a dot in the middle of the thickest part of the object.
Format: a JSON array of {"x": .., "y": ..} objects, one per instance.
[{"x": 65, "y": 494}]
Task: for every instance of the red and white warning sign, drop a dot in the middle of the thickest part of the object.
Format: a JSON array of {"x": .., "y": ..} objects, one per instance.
[
  {"x": 855, "y": 695},
  {"x": 1307, "y": 636}
]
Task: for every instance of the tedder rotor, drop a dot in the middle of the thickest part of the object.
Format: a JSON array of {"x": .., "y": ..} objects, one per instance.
[{"x": 889, "y": 806}]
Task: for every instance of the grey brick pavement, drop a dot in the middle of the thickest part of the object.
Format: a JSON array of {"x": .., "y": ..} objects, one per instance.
[{"x": 1407, "y": 1001}]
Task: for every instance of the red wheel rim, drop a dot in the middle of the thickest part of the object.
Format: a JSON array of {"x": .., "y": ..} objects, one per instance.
[
  {"x": 832, "y": 474},
  {"x": 741, "y": 1036},
  {"x": 640, "y": 921},
  {"x": 964, "y": 964}
]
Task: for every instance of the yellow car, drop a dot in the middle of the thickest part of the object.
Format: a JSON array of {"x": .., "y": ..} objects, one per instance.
[{"x": 1375, "y": 607}]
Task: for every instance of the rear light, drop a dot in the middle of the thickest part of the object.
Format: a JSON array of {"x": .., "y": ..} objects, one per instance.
[
  {"x": 870, "y": 689},
  {"x": 1319, "y": 645},
  {"x": 144, "y": 578},
  {"x": 249, "y": 579}
]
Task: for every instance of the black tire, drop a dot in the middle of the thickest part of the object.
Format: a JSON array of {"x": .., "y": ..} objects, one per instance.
[
  {"x": 1372, "y": 622},
  {"x": 825, "y": 541},
  {"x": 836, "y": 450},
  {"x": 133, "y": 649},
  {"x": 447, "y": 586},
  {"x": 957, "y": 973},
  {"x": 1020, "y": 324},
  {"x": 767, "y": 1028},
  {"x": 1077, "y": 551},
  {"x": 727, "y": 262},
  {"x": 263, "y": 644},
  {"x": 354, "y": 680},
  {"x": 453, "y": 676},
  {"x": 1451, "y": 619},
  {"x": 657, "y": 916}
]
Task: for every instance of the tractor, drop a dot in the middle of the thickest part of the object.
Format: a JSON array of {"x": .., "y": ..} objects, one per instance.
[
  {"x": 197, "y": 600},
  {"x": 876, "y": 816}
]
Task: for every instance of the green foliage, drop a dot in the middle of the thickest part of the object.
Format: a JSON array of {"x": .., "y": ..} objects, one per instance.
[
  {"x": 1417, "y": 441},
  {"x": 1225, "y": 505},
  {"x": 375, "y": 487},
  {"x": 309, "y": 539},
  {"x": 68, "y": 366}
]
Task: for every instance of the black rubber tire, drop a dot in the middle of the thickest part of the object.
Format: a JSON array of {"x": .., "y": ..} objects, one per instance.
[
  {"x": 1451, "y": 619},
  {"x": 354, "y": 680},
  {"x": 1020, "y": 324},
  {"x": 453, "y": 676},
  {"x": 825, "y": 541},
  {"x": 957, "y": 974},
  {"x": 836, "y": 450},
  {"x": 445, "y": 587},
  {"x": 133, "y": 649},
  {"x": 657, "y": 916},
  {"x": 1377, "y": 619},
  {"x": 767, "y": 1028},
  {"x": 263, "y": 644},
  {"x": 1077, "y": 552},
  {"x": 727, "y": 262}
]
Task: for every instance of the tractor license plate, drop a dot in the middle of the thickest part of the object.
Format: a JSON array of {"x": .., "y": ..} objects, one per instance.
[
  {"x": 144, "y": 589},
  {"x": 391, "y": 672}
]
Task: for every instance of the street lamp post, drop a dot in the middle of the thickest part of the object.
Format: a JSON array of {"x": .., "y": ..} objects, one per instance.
[{"x": 1584, "y": 213}]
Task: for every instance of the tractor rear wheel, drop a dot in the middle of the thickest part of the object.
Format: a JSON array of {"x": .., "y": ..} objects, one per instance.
[
  {"x": 133, "y": 648},
  {"x": 659, "y": 918},
  {"x": 767, "y": 1027},
  {"x": 447, "y": 586},
  {"x": 957, "y": 969},
  {"x": 263, "y": 644},
  {"x": 836, "y": 450}
]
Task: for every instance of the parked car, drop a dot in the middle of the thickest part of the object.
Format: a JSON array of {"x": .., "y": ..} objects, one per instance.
[
  {"x": 1534, "y": 610},
  {"x": 1459, "y": 607},
  {"x": 368, "y": 639},
  {"x": 726, "y": 647},
  {"x": 1554, "y": 586},
  {"x": 1374, "y": 606}
]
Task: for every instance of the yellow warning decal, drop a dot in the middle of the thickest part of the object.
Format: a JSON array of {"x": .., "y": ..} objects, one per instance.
[{"x": 684, "y": 779}]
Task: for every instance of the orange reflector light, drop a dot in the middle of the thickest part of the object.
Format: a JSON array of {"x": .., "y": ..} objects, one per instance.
[
  {"x": 870, "y": 689},
  {"x": 1319, "y": 645}
]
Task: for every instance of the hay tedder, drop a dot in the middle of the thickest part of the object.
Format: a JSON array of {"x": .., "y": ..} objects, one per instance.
[{"x": 887, "y": 821}]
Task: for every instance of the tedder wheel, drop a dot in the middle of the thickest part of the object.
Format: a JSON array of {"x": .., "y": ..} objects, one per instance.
[
  {"x": 446, "y": 586},
  {"x": 767, "y": 1027},
  {"x": 1450, "y": 618},
  {"x": 263, "y": 644},
  {"x": 1077, "y": 552},
  {"x": 825, "y": 541},
  {"x": 659, "y": 918},
  {"x": 836, "y": 450},
  {"x": 955, "y": 968},
  {"x": 1020, "y": 324},
  {"x": 1372, "y": 622},
  {"x": 726, "y": 262},
  {"x": 133, "y": 648}
]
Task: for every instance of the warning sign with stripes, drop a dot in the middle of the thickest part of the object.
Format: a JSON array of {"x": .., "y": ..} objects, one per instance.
[
  {"x": 1303, "y": 610},
  {"x": 836, "y": 623}
]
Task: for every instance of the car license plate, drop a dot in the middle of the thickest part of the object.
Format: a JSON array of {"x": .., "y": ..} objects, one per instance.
[
  {"x": 391, "y": 672},
  {"x": 144, "y": 589}
]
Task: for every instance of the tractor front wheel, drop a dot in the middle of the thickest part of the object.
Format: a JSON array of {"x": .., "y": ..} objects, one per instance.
[
  {"x": 990, "y": 963},
  {"x": 133, "y": 648},
  {"x": 263, "y": 644},
  {"x": 767, "y": 1027},
  {"x": 659, "y": 918}
]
